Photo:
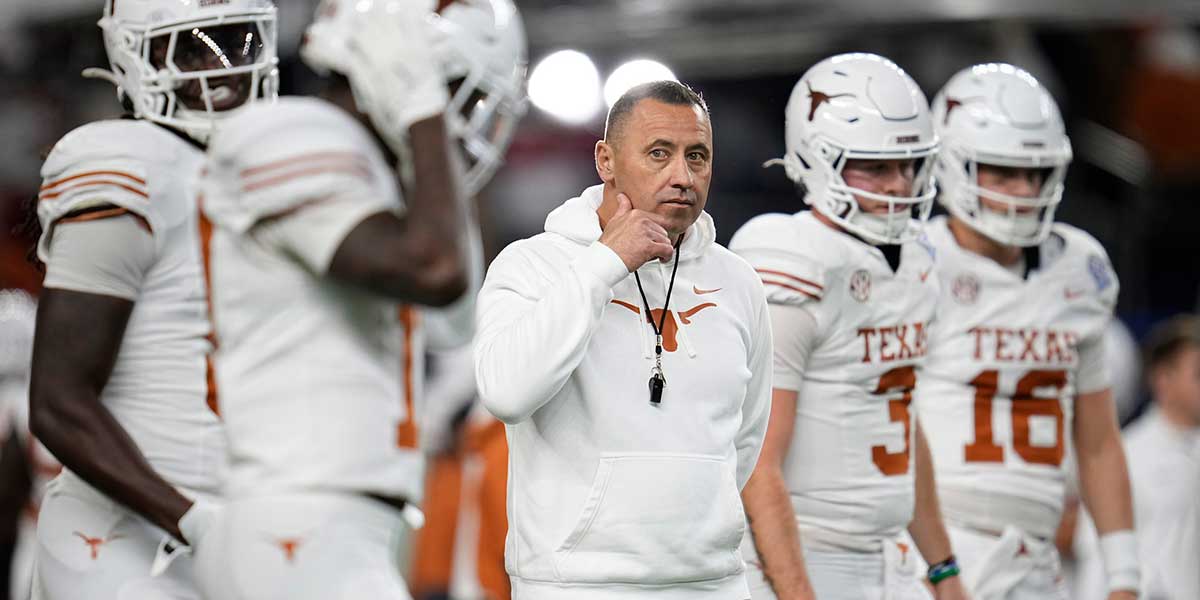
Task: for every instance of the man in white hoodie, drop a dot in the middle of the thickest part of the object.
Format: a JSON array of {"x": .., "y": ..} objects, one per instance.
[{"x": 630, "y": 437}]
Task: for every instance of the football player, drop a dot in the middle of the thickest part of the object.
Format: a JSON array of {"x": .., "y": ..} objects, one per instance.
[
  {"x": 845, "y": 468},
  {"x": 118, "y": 385},
  {"x": 1016, "y": 365},
  {"x": 310, "y": 252},
  {"x": 460, "y": 551}
]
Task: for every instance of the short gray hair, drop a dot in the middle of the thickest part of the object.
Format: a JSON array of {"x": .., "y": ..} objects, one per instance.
[{"x": 665, "y": 91}]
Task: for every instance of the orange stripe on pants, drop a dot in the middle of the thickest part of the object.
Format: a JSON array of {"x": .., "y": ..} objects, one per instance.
[
  {"x": 433, "y": 553},
  {"x": 488, "y": 442},
  {"x": 448, "y": 496}
]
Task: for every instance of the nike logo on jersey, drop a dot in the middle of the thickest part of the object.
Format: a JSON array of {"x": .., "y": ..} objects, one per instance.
[
  {"x": 700, "y": 292},
  {"x": 1073, "y": 293},
  {"x": 1042, "y": 346},
  {"x": 896, "y": 342}
]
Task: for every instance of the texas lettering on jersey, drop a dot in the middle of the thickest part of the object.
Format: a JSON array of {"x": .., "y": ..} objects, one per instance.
[
  {"x": 894, "y": 342},
  {"x": 1025, "y": 345}
]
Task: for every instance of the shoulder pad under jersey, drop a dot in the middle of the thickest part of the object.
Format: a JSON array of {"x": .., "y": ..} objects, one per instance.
[
  {"x": 133, "y": 166},
  {"x": 1086, "y": 264},
  {"x": 783, "y": 256},
  {"x": 271, "y": 159}
]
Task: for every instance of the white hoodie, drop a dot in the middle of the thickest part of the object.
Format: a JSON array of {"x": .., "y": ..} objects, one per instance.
[{"x": 610, "y": 496}]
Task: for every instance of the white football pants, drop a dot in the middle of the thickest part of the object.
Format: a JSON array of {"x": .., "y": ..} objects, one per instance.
[
  {"x": 1013, "y": 566},
  {"x": 304, "y": 546},
  {"x": 887, "y": 575},
  {"x": 91, "y": 548}
]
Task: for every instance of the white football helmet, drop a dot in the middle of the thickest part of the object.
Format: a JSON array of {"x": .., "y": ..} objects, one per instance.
[
  {"x": 482, "y": 47},
  {"x": 998, "y": 114},
  {"x": 860, "y": 106},
  {"x": 478, "y": 48},
  {"x": 186, "y": 64}
]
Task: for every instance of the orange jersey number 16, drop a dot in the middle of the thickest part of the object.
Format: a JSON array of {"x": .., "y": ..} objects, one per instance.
[{"x": 1024, "y": 406}]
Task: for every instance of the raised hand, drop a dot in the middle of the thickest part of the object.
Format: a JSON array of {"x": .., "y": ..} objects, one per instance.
[{"x": 637, "y": 236}]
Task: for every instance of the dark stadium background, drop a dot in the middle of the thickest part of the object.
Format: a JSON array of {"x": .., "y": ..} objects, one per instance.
[{"x": 1127, "y": 75}]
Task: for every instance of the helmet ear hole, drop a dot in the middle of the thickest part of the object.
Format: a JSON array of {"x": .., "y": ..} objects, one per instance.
[
  {"x": 824, "y": 151},
  {"x": 807, "y": 167}
]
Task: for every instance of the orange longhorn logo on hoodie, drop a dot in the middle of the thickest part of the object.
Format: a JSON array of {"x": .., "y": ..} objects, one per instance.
[{"x": 670, "y": 327}]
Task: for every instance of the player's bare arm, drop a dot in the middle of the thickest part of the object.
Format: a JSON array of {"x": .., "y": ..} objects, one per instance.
[
  {"x": 76, "y": 344},
  {"x": 927, "y": 528},
  {"x": 419, "y": 257},
  {"x": 769, "y": 506},
  {"x": 1103, "y": 473}
]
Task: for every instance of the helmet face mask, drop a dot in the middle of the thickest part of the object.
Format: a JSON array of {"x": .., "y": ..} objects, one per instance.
[
  {"x": 482, "y": 47},
  {"x": 1008, "y": 218},
  {"x": 187, "y": 66},
  {"x": 860, "y": 107},
  {"x": 895, "y": 224},
  {"x": 999, "y": 115},
  {"x": 212, "y": 68}
]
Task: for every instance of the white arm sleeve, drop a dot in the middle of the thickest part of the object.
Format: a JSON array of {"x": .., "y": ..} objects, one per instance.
[
  {"x": 796, "y": 332},
  {"x": 1092, "y": 375},
  {"x": 314, "y": 232},
  {"x": 108, "y": 256}
]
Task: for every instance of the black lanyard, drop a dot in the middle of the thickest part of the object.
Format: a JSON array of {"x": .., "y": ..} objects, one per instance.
[{"x": 657, "y": 380}]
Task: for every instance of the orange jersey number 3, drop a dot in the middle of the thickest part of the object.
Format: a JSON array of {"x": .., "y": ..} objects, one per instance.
[{"x": 902, "y": 380}]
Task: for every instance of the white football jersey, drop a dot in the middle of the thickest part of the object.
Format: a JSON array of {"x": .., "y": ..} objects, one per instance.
[
  {"x": 850, "y": 467},
  {"x": 158, "y": 387},
  {"x": 313, "y": 380},
  {"x": 997, "y": 394}
]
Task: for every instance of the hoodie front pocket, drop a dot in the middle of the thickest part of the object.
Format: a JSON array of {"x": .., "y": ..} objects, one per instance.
[{"x": 656, "y": 519}]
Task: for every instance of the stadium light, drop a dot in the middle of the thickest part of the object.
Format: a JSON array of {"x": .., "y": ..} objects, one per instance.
[
  {"x": 633, "y": 73},
  {"x": 566, "y": 85}
]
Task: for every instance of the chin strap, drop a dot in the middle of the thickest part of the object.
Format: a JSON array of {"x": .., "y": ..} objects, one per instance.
[
  {"x": 103, "y": 74},
  {"x": 791, "y": 164}
]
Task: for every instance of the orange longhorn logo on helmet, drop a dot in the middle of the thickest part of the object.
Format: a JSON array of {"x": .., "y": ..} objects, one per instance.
[{"x": 819, "y": 98}]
